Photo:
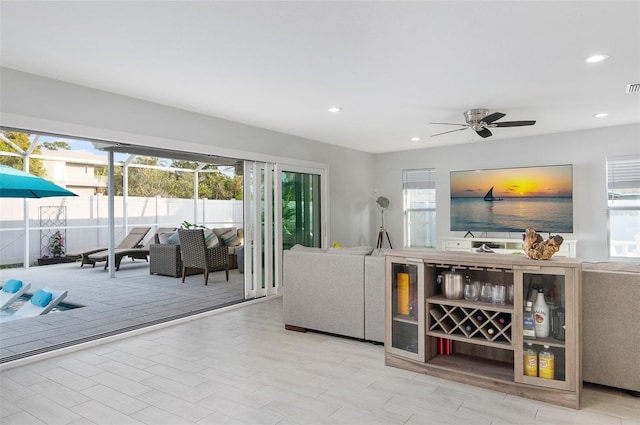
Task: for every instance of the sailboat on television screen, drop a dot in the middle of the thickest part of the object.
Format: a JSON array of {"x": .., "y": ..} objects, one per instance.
[{"x": 489, "y": 196}]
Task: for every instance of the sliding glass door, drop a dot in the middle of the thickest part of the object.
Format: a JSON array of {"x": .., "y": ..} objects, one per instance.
[{"x": 283, "y": 206}]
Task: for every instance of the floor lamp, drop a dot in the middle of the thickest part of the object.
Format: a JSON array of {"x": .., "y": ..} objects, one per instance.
[{"x": 383, "y": 204}]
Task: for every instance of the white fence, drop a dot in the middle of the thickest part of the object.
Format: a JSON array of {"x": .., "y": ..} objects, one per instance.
[{"x": 87, "y": 221}]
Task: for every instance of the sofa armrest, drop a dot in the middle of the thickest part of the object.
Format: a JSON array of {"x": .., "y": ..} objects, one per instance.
[
  {"x": 609, "y": 314},
  {"x": 324, "y": 291},
  {"x": 165, "y": 260}
]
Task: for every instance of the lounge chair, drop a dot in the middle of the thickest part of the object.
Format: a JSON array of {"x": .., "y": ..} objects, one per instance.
[
  {"x": 133, "y": 253},
  {"x": 132, "y": 240},
  {"x": 11, "y": 291},
  {"x": 34, "y": 306}
]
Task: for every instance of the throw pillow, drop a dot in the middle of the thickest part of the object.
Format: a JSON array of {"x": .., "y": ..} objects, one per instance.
[
  {"x": 12, "y": 286},
  {"x": 228, "y": 235},
  {"x": 41, "y": 298},
  {"x": 174, "y": 239},
  {"x": 210, "y": 239}
]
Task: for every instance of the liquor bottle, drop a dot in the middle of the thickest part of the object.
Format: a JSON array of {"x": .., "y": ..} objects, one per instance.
[
  {"x": 546, "y": 360},
  {"x": 541, "y": 315},
  {"x": 479, "y": 318},
  {"x": 529, "y": 324},
  {"x": 558, "y": 324},
  {"x": 491, "y": 331},
  {"x": 469, "y": 327},
  {"x": 530, "y": 361}
]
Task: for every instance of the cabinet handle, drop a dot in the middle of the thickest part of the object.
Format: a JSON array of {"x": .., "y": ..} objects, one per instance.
[{"x": 414, "y": 260}]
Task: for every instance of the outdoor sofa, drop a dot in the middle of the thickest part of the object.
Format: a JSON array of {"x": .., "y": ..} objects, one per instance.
[{"x": 165, "y": 257}]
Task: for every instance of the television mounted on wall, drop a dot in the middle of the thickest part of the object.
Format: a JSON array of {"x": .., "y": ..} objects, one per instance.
[{"x": 512, "y": 199}]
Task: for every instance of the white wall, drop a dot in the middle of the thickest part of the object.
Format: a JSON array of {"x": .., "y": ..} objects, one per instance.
[
  {"x": 41, "y": 104},
  {"x": 586, "y": 150}
]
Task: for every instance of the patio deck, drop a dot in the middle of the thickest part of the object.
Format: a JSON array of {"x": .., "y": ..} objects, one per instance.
[{"x": 133, "y": 299}]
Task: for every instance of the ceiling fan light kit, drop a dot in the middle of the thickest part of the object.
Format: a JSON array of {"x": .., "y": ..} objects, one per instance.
[{"x": 480, "y": 120}]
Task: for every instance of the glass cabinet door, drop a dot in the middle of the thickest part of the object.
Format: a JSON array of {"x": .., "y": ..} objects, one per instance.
[
  {"x": 405, "y": 322},
  {"x": 548, "y": 330}
]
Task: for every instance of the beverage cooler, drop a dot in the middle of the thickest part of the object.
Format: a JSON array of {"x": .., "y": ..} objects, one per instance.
[{"x": 405, "y": 310}]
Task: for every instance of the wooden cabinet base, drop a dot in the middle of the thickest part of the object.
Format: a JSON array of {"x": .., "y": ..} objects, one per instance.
[{"x": 485, "y": 374}]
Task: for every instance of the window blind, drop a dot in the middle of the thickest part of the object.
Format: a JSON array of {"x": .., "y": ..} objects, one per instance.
[
  {"x": 419, "y": 179},
  {"x": 623, "y": 173}
]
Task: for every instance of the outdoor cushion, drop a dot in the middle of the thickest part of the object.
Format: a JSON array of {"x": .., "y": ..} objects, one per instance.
[
  {"x": 41, "y": 298},
  {"x": 210, "y": 239},
  {"x": 229, "y": 235},
  {"x": 174, "y": 239},
  {"x": 168, "y": 238},
  {"x": 12, "y": 286}
]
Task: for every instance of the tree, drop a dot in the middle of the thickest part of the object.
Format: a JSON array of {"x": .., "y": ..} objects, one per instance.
[
  {"x": 56, "y": 146},
  {"x": 22, "y": 141}
]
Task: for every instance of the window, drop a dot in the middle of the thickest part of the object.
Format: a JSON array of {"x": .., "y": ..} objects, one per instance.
[
  {"x": 419, "y": 193},
  {"x": 623, "y": 189}
]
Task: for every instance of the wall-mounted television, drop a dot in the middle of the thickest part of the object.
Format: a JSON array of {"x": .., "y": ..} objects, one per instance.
[{"x": 512, "y": 199}]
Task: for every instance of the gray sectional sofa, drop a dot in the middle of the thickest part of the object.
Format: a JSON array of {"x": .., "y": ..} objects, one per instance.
[
  {"x": 338, "y": 290},
  {"x": 611, "y": 324}
]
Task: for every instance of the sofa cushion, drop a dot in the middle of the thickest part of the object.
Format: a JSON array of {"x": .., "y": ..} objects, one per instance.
[{"x": 228, "y": 235}]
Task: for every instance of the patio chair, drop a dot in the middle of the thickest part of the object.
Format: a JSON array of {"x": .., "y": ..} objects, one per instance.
[
  {"x": 133, "y": 253},
  {"x": 11, "y": 291},
  {"x": 132, "y": 240},
  {"x": 196, "y": 255},
  {"x": 41, "y": 302}
]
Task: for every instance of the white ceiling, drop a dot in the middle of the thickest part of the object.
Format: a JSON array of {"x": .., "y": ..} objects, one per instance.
[{"x": 391, "y": 66}]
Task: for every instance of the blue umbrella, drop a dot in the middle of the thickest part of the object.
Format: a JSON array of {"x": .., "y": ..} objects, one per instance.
[{"x": 18, "y": 184}]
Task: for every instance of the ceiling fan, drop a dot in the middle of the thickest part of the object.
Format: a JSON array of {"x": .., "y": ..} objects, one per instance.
[{"x": 480, "y": 120}]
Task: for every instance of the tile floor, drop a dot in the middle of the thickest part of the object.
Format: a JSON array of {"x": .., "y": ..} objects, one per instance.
[{"x": 240, "y": 366}]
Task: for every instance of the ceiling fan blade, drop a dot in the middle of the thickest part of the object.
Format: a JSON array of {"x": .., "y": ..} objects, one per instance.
[
  {"x": 449, "y": 123},
  {"x": 512, "y": 123},
  {"x": 484, "y": 133},
  {"x": 450, "y": 131},
  {"x": 493, "y": 117}
]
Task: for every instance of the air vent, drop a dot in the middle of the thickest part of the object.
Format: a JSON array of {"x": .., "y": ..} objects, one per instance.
[{"x": 633, "y": 88}]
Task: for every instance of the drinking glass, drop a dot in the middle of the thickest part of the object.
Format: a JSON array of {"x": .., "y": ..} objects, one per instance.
[
  {"x": 471, "y": 291},
  {"x": 498, "y": 294},
  {"x": 485, "y": 294},
  {"x": 510, "y": 293}
]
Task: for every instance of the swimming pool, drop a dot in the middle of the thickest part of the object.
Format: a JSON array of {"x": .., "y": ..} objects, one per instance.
[{"x": 8, "y": 312}]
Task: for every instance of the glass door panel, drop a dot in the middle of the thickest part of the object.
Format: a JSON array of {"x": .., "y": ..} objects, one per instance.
[
  {"x": 406, "y": 308},
  {"x": 548, "y": 354},
  {"x": 301, "y": 209}
]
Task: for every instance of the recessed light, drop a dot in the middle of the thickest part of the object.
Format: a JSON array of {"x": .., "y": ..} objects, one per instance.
[
  {"x": 597, "y": 58},
  {"x": 334, "y": 109},
  {"x": 415, "y": 139},
  {"x": 601, "y": 115}
]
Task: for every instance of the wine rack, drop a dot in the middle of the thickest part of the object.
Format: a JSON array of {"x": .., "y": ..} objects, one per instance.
[{"x": 476, "y": 322}]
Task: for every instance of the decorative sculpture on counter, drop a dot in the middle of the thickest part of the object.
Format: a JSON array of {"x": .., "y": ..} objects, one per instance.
[{"x": 538, "y": 249}]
